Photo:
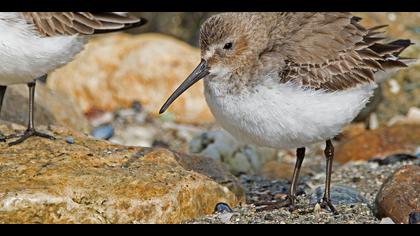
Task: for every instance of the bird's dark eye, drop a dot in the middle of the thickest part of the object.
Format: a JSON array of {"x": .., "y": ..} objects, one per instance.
[{"x": 227, "y": 46}]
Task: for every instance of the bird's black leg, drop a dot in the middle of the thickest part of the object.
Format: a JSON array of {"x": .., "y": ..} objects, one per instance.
[
  {"x": 291, "y": 197},
  {"x": 30, "y": 132},
  {"x": 329, "y": 155},
  {"x": 2, "y": 92}
]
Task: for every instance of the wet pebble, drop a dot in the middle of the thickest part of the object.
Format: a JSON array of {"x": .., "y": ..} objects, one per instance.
[
  {"x": 70, "y": 140},
  {"x": 414, "y": 218},
  {"x": 389, "y": 160},
  {"x": 103, "y": 132},
  {"x": 161, "y": 144},
  {"x": 136, "y": 105},
  {"x": 222, "y": 208},
  {"x": 340, "y": 195}
]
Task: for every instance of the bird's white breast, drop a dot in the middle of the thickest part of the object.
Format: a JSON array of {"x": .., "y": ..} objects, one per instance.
[
  {"x": 24, "y": 55},
  {"x": 285, "y": 115}
]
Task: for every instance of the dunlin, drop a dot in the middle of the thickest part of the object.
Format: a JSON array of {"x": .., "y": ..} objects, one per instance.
[
  {"x": 33, "y": 44},
  {"x": 287, "y": 80}
]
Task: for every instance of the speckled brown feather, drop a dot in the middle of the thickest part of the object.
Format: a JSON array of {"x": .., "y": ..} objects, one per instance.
[
  {"x": 329, "y": 51},
  {"x": 332, "y": 51},
  {"x": 83, "y": 23}
]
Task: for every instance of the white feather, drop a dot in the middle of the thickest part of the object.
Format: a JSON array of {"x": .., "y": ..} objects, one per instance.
[
  {"x": 25, "y": 56},
  {"x": 284, "y": 115}
]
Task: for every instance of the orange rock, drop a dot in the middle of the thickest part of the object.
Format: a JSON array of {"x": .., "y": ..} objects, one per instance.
[
  {"x": 379, "y": 143},
  {"x": 399, "y": 196},
  {"x": 115, "y": 70},
  {"x": 352, "y": 130},
  {"x": 93, "y": 181},
  {"x": 281, "y": 170}
]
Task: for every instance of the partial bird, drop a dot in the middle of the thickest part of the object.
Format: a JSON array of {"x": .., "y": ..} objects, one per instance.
[
  {"x": 287, "y": 80},
  {"x": 32, "y": 44}
]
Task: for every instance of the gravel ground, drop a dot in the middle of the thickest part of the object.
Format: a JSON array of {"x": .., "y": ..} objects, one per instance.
[{"x": 367, "y": 178}]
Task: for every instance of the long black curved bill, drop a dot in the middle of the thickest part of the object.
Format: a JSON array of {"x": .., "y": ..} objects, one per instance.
[{"x": 199, "y": 72}]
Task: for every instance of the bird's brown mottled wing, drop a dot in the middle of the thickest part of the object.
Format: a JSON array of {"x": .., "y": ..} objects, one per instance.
[
  {"x": 83, "y": 23},
  {"x": 332, "y": 51}
]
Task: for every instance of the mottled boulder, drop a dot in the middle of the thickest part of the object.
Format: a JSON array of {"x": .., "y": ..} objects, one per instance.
[
  {"x": 399, "y": 196},
  {"x": 92, "y": 181}
]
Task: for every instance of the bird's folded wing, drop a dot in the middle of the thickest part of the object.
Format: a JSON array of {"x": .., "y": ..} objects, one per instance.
[
  {"x": 332, "y": 51},
  {"x": 83, "y": 23}
]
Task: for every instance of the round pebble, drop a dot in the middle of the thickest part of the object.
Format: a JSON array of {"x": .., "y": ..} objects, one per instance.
[
  {"x": 222, "y": 207},
  {"x": 103, "y": 132},
  {"x": 70, "y": 140}
]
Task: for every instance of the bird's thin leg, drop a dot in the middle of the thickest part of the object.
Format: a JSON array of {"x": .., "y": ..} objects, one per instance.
[
  {"x": 30, "y": 132},
  {"x": 2, "y": 92},
  {"x": 291, "y": 197},
  {"x": 329, "y": 155}
]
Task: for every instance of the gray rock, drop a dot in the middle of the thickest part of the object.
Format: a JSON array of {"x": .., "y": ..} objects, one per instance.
[
  {"x": 340, "y": 195},
  {"x": 239, "y": 158},
  {"x": 387, "y": 221},
  {"x": 103, "y": 132},
  {"x": 70, "y": 140}
]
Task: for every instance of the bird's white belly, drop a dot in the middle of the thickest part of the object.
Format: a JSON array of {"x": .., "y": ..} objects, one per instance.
[
  {"x": 24, "y": 56},
  {"x": 285, "y": 115}
]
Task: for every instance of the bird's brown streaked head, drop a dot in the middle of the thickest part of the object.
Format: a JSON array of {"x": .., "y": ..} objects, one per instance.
[{"x": 230, "y": 45}]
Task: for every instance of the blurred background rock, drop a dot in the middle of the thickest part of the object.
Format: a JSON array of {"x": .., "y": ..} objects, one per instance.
[{"x": 182, "y": 25}]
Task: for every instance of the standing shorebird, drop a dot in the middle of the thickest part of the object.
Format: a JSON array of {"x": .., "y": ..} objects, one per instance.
[
  {"x": 286, "y": 80},
  {"x": 33, "y": 44}
]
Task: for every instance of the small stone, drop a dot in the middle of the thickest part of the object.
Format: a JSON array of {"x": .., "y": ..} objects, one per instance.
[
  {"x": 125, "y": 113},
  {"x": 225, "y": 217},
  {"x": 394, "y": 86},
  {"x": 70, "y": 140},
  {"x": 161, "y": 144},
  {"x": 414, "y": 218},
  {"x": 373, "y": 121},
  {"x": 102, "y": 119},
  {"x": 268, "y": 217},
  {"x": 222, "y": 208},
  {"x": 387, "y": 221},
  {"x": 103, "y": 132},
  {"x": 317, "y": 208},
  {"x": 399, "y": 195},
  {"x": 340, "y": 195},
  {"x": 136, "y": 105}
]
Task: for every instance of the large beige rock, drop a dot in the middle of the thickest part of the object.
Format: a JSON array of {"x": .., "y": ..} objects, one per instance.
[
  {"x": 51, "y": 108},
  {"x": 117, "y": 69},
  {"x": 92, "y": 181}
]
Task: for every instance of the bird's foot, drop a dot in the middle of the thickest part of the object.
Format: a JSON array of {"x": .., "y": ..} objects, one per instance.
[
  {"x": 326, "y": 203},
  {"x": 27, "y": 134},
  {"x": 289, "y": 202}
]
